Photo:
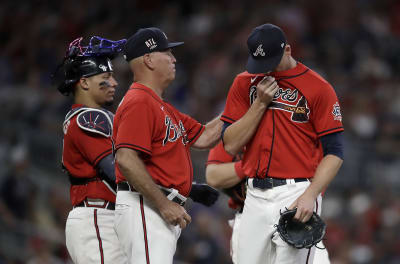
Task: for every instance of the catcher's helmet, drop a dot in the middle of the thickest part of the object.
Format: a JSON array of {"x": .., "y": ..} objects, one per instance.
[{"x": 86, "y": 61}]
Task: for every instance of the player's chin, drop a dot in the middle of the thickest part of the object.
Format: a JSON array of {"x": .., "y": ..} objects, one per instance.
[
  {"x": 172, "y": 76},
  {"x": 109, "y": 100}
]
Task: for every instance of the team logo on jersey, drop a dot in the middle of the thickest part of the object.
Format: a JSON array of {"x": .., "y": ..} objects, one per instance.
[
  {"x": 300, "y": 112},
  {"x": 336, "y": 112},
  {"x": 259, "y": 51},
  {"x": 288, "y": 95},
  {"x": 173, "y": 132},
  {"x": 253, "y": 94}
]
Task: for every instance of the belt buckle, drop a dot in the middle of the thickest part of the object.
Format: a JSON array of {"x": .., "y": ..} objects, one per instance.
[{"x": 99, "y": 203}]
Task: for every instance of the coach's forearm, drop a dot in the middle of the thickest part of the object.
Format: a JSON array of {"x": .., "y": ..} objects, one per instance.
[
  {"x": 326, "y": 171},
  {"x": 134, "y": 170},
  {"x": 239, "y": 133}
]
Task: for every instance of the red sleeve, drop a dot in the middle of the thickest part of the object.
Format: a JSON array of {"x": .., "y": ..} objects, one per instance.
[
  {"x": 327, "y": 117},
  {"x": 237, "y": 102},
  {"x": 218, "y": 155},
  {"x": 136, "y": 128},
  {"x": 239, "y": 170},
  {"x": 193, "y": 128},
  {"x": 93, "y": 147}
]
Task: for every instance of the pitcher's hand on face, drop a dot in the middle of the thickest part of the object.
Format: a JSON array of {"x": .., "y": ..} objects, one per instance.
[
  {"x": 266, "y": 89},
  {"x": 174, "y": 214}
]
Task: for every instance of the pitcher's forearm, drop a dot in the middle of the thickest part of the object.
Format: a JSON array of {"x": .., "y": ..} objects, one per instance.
[
  {"x": 239, "y": 133},
  {"x": 326, "y": 171}
]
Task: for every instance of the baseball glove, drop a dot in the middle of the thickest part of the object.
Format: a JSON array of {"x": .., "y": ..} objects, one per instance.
[
  {"x": 204, "y": 194},
  {"x": 298, "y": 234}
]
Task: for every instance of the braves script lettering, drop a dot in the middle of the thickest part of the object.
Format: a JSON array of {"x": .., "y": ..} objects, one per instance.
[{"x": 173, "y": 132}]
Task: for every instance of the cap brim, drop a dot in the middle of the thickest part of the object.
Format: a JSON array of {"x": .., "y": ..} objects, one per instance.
[
  {"x": 262, "y": 66},
  {"x": 174, "y": 44}
]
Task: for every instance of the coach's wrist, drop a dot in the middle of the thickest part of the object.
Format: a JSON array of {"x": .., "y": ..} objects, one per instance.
[{"x": 160, "y": 201}]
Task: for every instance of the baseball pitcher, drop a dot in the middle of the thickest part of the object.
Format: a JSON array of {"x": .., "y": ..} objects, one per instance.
[{"x": 288, "y": 119}]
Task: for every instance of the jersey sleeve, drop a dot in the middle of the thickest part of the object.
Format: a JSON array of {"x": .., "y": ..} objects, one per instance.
[
  {"x": 218, "y": 155},
  {"x": 136, "y": 128},
  {"x": 237, "y": 102},
  {"x": 193, "y": 128},
  {"x": 94, "y": 147},
  {"x": 327, "y": 117},
  {"x": 239, "y": 169}
]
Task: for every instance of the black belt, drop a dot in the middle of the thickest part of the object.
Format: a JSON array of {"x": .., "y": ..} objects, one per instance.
[
  {"x": 125, "y": 186},
  {"x": 268, "y": 183},
  {"x": 107, "y": 205}
]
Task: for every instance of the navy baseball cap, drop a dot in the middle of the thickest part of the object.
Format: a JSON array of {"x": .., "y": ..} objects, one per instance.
[
  {"x": 266, "y": 44},
  {"x": 147, "y": 40}
]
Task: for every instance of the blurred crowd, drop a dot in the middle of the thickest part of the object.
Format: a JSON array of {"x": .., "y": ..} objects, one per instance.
[{"x": 355, "y": 45}]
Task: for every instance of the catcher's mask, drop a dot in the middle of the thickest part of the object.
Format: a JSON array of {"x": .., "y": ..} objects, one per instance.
[{"x": 85, "y": 61}]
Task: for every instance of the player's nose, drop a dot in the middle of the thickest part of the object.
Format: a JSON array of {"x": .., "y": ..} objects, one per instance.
[{"x": 113, "y": 82}]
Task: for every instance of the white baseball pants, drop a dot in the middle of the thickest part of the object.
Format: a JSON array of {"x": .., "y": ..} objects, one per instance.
[
  {"x": 144, "y": 235},
  {"x": 258, "y": 243},
  {"x": 91, "y": 238}
]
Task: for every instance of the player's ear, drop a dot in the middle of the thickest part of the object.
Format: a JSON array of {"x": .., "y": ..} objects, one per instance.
[
  {"x": 288, "y": 49},
  {"x": 83, "y": 82},
  {"x": 148, "y": 61}
]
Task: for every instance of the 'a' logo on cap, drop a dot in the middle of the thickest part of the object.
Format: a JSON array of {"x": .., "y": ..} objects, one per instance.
[
  {"x": 151, "y": 44},
  {"x": 259, "y": 51}
]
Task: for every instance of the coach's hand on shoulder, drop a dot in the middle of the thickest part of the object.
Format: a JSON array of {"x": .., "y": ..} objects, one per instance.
[
  {"x": 174, "y": 214},
  {"x": 266, "y": 89}
]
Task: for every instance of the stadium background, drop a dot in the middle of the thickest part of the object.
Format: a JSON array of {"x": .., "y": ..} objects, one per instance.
[{"x": 353, "y": 44}]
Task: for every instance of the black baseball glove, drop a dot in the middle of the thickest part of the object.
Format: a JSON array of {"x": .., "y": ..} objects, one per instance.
[
  {"x": 298, "y": 234},
  {"x": 204, "y": 194}
]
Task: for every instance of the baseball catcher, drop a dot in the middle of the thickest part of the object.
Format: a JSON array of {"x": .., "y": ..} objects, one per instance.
[{"x": 87, "y": 73}]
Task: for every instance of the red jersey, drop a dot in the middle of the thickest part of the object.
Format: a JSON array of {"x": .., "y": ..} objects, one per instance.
[
  {"x": 218, "y": 155},
  {"x": 286, "y": 143},
  {"x": 82, "y": 151},
  {"x": 161, "y": 134}
]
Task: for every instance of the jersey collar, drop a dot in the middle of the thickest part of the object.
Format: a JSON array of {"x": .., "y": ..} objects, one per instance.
[
  {"x": 299, "y": 69},
  {"x": 147, "y": 89},
  {"x": 76, "y": 106}
]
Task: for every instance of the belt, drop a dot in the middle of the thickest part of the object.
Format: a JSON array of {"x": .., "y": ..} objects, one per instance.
[
  {"x": 171, "y": 194},
  {"x": 269, "y": 183},
  {"x": 96, "y": 203}
]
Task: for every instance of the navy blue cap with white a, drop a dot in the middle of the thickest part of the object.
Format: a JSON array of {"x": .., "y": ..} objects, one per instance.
[
  {"x": 266, "y": 44},
  {"x": 147, "y": 40}
]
